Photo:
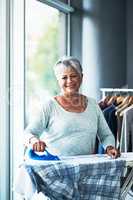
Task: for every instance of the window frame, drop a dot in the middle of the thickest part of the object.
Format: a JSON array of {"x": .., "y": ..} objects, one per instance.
[
  {"x": 4, "y": 98},
  {"x": 17, "y": 83},
  {"x": 63, "y": 7}
]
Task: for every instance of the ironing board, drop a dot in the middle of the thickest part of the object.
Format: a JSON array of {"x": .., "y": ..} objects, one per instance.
[{"x": 93, "y": 159}]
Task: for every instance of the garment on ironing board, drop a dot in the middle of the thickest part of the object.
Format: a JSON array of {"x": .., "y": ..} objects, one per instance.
[{"x": 75, "y": 181}]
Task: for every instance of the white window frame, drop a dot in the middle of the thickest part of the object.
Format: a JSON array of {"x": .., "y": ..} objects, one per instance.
[
  {"x": 17, "y": 84},
  {"x": 4, "y": 97}
]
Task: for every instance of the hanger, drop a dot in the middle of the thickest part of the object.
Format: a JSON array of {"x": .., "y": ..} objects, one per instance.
[
  {"x": 128, "y": 100},
  {"x": 129, "y": 106}
]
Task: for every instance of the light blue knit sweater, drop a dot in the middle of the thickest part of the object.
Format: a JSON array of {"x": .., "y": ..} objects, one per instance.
[{"x": 70, "y": 133}]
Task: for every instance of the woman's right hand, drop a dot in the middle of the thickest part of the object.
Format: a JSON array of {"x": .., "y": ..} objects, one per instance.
[{"x": 39, "y": 146}]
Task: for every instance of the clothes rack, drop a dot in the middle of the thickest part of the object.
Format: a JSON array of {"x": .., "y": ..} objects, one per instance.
[{"x": 106, "y": 91}]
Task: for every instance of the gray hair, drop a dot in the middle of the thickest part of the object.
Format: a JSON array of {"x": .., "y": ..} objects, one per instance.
[{"x": 67, "y": 61}]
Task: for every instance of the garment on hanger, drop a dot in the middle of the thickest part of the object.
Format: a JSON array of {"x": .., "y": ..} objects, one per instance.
[
  {"x": 109, "y": 114},
  {"x": 126, "y": 142}
]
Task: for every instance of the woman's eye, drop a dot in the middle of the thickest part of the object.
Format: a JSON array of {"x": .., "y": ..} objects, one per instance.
[
  {"x": 74, "y": 76},
  {"x": 64, "y": 77}
]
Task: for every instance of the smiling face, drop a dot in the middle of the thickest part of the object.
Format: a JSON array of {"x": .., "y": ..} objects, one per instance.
[{"x": 69, "y": 81}]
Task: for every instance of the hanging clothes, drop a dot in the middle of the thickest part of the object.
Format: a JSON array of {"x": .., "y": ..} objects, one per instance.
[
  {"x": 126, "y": 143},
  {"x": 118, "y": 112},
  {"x": 109, "y": 114}
]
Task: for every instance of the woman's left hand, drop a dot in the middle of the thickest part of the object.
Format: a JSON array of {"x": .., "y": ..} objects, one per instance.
[{"x": 113, "y": 152}]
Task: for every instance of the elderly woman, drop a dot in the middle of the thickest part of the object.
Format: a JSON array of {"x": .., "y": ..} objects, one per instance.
[{"x": 71, "y": 120}]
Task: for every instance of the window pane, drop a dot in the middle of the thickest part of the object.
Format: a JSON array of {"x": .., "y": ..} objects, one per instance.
[{"x": 45, "y": 43}]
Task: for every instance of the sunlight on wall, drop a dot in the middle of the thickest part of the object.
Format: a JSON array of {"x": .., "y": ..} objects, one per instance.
[{"x": 90, "y": 58}]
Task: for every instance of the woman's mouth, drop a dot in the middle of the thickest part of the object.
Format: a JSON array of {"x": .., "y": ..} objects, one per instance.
[{"x": 70, "y": 86}]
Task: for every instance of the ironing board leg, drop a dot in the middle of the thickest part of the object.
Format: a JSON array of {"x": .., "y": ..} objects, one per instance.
[{"x": 127, "y": 185}]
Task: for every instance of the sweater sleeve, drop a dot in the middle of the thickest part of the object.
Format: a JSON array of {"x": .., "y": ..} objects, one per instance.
[
  {"x": 39, "y": 123},
  {"x": 104, "y": 133}
]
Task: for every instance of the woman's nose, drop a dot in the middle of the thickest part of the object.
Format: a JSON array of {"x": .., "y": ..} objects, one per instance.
[{"x": 69, "y": 79}]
